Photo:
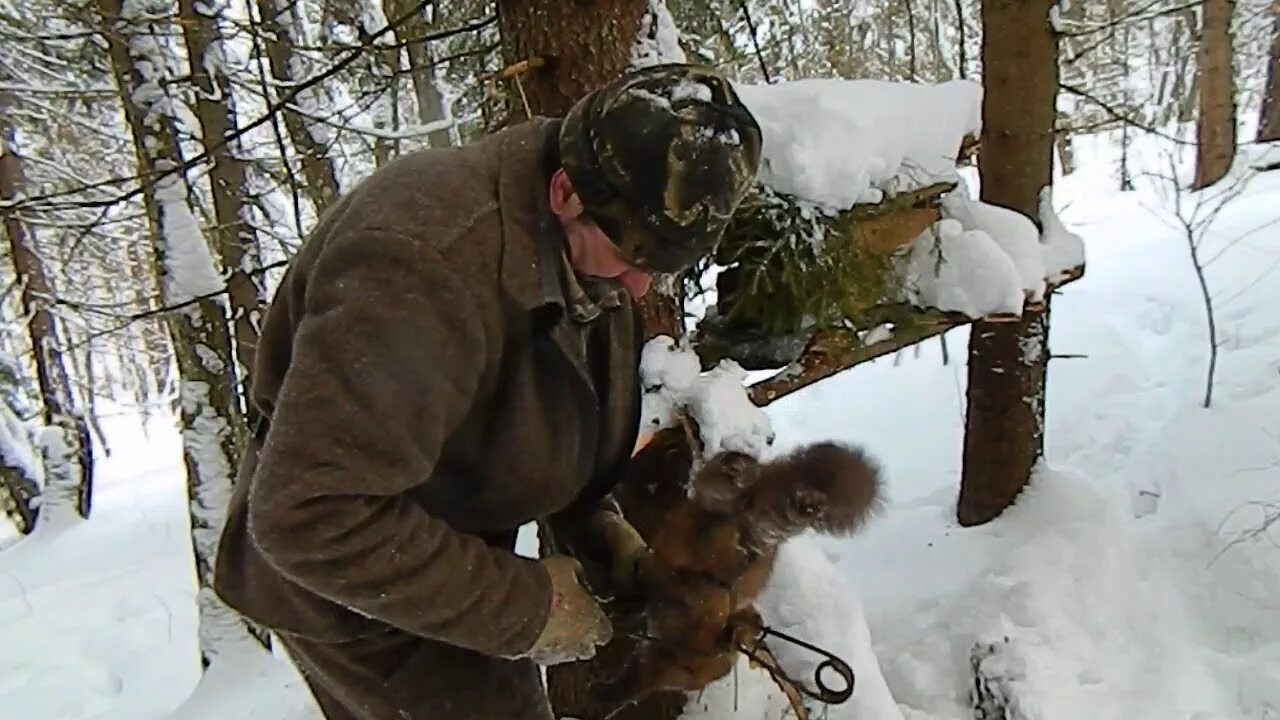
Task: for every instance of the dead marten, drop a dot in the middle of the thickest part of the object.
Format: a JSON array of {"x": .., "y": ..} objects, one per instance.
[{"x": 714, "y": 534}]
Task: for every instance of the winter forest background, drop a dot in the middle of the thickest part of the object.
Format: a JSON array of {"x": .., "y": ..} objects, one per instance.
[{"x": 161, "y": 161}]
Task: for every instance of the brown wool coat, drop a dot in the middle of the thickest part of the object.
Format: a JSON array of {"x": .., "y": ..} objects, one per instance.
[{"x": 427, "y": 392}]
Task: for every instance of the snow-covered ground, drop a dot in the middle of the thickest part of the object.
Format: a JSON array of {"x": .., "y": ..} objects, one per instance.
[{"x": 1112, "y": 590}]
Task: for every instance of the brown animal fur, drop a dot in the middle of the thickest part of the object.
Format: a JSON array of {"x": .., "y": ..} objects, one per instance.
[{"x": 714, "y": 534}]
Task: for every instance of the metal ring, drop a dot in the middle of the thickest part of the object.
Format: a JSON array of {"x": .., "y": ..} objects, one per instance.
[{"x": 824, "y": 693}]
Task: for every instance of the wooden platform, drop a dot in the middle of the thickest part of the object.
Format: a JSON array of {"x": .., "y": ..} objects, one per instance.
[{"x": 829, "y": 352}]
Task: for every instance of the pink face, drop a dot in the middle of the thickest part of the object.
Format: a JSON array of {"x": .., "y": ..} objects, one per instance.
[{"x": 590, "y": 249}]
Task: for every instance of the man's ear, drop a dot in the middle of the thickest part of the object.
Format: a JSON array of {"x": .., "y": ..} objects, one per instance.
[{"x": 565, "y": 203}]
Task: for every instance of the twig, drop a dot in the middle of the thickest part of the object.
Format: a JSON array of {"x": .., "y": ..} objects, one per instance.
[
  {"x": 751, "y": 27},
  {"x": 961, "y": 41},
  {"x": 296, "y": 90},
  {"x": 1122, "y": 117}
]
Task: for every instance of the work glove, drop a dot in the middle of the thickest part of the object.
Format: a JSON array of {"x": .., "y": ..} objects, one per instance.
[
  {"x": 629, "y": 554},
  {"x": 576, "y": 625}
]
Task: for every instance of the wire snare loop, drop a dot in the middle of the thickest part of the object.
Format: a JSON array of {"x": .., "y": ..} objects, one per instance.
[{"x": 824, "y": 693}]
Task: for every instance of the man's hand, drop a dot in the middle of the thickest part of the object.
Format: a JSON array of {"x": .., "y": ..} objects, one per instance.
[
  {"x": 630, "y": 555},
  {"x": 576, "y": 625},
  {"x": 628, "y": 552}
]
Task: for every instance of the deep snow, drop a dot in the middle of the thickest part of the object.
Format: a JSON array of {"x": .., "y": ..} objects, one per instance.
[{"x": 1114, "y": 578}]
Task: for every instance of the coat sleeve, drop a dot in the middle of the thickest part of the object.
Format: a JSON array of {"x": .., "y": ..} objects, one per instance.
[{"x": 387, "y": 359}]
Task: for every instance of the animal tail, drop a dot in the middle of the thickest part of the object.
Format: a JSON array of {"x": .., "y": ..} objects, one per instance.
[{"x": 830, "y": 487}]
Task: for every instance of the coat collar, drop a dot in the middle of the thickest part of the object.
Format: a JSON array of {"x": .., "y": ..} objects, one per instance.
[
  {"x": 535, "y": 268},
  {"x": 532, "y": 241}
]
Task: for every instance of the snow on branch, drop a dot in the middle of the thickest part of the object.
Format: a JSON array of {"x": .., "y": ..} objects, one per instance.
[
  {"x": 56, "y": 200},
  {"x": 189, "y": 267},
  {"x": 839, "y": 143},
  {"x": 717, "y": 400},
  {"x": 982, "y": 260}
]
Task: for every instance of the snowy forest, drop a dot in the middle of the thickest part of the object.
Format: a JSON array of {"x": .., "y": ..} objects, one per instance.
[{"x": 1025, "y": 253}]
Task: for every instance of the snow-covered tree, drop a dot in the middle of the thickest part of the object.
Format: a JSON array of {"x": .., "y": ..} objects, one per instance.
[{"x": 145, "y": 62}]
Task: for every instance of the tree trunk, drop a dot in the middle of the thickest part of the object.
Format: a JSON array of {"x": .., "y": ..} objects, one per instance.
[
  {"x": 1216, "y": 123},
  {"x": 1005, "y": 418},
  {"x": 237, "y": 243},
  {"x": 308, "y": 138},
  {"x": 63, "y": 484},
  {"x": 1269, "y": 118},
  {"x": 585, "y": 44},
  {"x": 210, "y": 416},
  {"x": 422, "y": 70}
]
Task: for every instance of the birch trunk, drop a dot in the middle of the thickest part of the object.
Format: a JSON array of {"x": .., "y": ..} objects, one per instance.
[{"x": 143, "y": 66}]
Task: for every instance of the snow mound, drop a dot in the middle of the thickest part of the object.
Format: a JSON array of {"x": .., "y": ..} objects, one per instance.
[
  {"x": 1063, "y": 249},
  {"x": 965, "y": 271},
  {"x": 1012, "y": 231},
  {"x": 252, "y": 686},
  {"x": 717, "y": 400},
  {"x": 18, "y": 445},
  {"x": 1070, "y": 610},
  {"x": 838, "y": 143}
]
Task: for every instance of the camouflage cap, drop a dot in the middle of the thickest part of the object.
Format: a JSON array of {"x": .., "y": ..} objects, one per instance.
[{"x": 661, "y": 158}]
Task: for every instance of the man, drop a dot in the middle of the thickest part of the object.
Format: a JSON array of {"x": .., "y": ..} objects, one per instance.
[{"x": 454, "y": 354}]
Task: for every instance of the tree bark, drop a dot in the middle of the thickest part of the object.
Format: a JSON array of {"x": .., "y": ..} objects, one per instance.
[
  {"x": 58, "y": 406},
  {"x": 317, "y": 168},
  {"x": 1269, "y": 118},
  {"x": 236, "y": 241},
  {"x": 1216, "y": 122},
  {"x": 585, "y": 44},
  {"x": 1005, "y": 418},
  {"x": 210, "y": 414},
  {"x": 422, "y": 69},
  {"x": 30, "y": 273}
]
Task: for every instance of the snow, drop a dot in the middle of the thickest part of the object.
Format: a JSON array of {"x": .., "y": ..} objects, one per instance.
[
  {"x": 838, "y": 143},
  {"x": 1133, "y": 579},
  {"x": 716, "y": 400},
  {"x": 1012, "y": 231},
  {"x": 57, "y": 445},
  {"x": 983, "y": 259},
  {"x": 689, "y": 89},
  {"x": 658, "y": 41},
  {"x": 18, "y": 445},
  {"x": 965, "y": 271},
  {"x": 190, "y": 271},
  {"x": 1063, "y": 250}
]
